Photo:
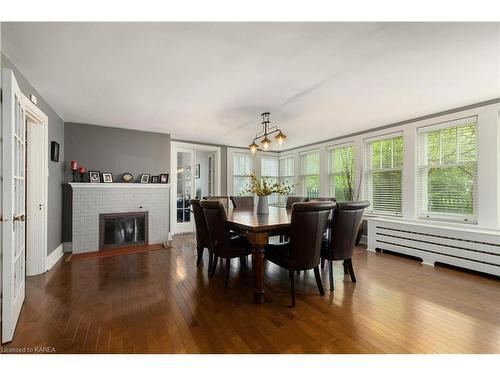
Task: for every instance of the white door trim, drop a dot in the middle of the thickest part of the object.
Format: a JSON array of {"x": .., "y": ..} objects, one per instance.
[
  {"x": 179, "y": 146},
  {"x": 36, "y": 261}
]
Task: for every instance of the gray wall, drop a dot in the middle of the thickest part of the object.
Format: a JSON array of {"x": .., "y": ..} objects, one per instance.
[
  {"x": 116, "y": 150},
  {"x": 56, "y": 133}
]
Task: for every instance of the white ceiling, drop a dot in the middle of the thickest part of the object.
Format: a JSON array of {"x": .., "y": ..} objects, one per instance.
[{"x": 209, "y": 82}]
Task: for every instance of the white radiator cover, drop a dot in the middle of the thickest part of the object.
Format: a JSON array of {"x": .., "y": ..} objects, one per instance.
[{"x": 473, "y": 249}]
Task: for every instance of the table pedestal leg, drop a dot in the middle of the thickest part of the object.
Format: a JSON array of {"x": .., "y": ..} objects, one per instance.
[{"x": 258, "y": 242}]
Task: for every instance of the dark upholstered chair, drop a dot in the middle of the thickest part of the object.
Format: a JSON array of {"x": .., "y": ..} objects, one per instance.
[
  {"x": 321, "y": 199},
  {"x": 222, "y": 243},
  {"x": 202, "y": 237},
  {"x": 344, "y": 230},
  {"x": 242, "y": 203},
  {"x": 292, "y": 200},
  {"x": 302, "y": 252},
  {"x": 221, "y": 198}
]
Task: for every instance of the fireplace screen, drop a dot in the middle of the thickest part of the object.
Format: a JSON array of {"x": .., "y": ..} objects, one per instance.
[{"x": 123, "y": 229}]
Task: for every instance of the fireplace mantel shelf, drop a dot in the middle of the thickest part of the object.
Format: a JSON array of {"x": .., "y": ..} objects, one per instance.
[{"x": 115, "y": 185}]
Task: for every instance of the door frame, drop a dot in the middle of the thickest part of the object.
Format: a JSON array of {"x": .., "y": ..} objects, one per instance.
[
  {"x": 36, "y": 262},
  {"x": 176, "y": 146}
]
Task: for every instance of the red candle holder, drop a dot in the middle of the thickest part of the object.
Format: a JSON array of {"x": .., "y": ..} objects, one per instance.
[
  {"x": 74, "y": 168},
  {"x": 82, "y": 173}
]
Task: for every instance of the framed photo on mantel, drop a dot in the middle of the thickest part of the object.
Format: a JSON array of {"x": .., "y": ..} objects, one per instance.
[
  {"x": 164, "y": 178},
  {"x": 94, "y": 177}
]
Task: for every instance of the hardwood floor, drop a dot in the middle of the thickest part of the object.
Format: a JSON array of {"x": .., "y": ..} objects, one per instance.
[{"x": 159, "y": 302}]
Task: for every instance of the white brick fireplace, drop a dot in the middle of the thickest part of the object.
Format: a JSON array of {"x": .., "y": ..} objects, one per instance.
[{"x": 88, "y": 201}]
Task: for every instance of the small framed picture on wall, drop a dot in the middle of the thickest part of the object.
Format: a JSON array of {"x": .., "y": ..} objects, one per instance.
[
  {"x": 197, "y": 171},
  {"x": 145, "y": 178},
  {"x": 94, "y": 176},
  {"x": 155, "y": 179}
]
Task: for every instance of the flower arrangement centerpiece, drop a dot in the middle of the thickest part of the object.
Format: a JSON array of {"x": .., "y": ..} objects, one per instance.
[{"x": 263, "y": 187}]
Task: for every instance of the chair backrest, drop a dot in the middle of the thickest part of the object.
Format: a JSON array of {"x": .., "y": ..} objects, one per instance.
[
  {"x": 321, "y": 199},
  {"x": 345, "y": 224},
  {"x": 215, "y": 215},
  {"x": 308, "y": 223},
  {"x": 202, "y": 237},
  {"x": 242, "y": 203},
  {"x": 224, "y": 199},
  {"x": 291, "y": 200}
]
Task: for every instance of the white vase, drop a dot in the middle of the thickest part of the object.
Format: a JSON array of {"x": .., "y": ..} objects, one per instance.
[{"x": 263, "y": 205}]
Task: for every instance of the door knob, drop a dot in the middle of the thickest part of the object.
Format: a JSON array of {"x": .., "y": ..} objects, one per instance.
[{"x": 19, "y": 218}]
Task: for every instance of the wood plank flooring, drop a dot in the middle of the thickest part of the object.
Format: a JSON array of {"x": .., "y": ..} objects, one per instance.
[{"x": 159, "y": 302}]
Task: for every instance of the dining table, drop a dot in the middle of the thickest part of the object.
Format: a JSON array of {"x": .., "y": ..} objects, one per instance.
[{"x": 258, "y": 228}]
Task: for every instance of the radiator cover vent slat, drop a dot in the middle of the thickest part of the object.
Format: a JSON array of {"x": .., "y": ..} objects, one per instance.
[{"x": 477, "y": 251}]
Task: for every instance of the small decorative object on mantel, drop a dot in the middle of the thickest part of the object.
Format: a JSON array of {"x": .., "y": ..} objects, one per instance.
[
  {"x": 155, "y": 179},
  {"x": 164, "y": 178},
  {"x": 145, "y": 178},
  {"x": 81, "y": 170},
  {"x": 262, "y": 187},
  {"x": 107, "y": 177},
  {"x": 127, "y": 177},
  {"x": 54, "y": 151},
  {"x": 197, "y": 171},
  {"x": 74, "y": 168},
  {"x": 94, "y": 176}
]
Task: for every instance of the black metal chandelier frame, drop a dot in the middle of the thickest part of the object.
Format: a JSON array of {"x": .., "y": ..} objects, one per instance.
[{"x": 266, "y": 131}]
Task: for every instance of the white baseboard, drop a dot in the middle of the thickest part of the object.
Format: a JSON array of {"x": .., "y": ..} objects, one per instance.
[{"x": 54, "y": 256}]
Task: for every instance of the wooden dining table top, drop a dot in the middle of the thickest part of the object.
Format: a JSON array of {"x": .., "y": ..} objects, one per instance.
[{"x": 278, "y": 218}]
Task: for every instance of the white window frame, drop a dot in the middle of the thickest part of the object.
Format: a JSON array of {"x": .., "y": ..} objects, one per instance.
[
  {"x": 367, "y": 174},
  {"x": 231, "y": 169},
  {"x": 421, "y": 186},
  {"x": 290, "y": 179},
  {"x": 303, "y": 176},
  {"x": 330, "y": 150}
]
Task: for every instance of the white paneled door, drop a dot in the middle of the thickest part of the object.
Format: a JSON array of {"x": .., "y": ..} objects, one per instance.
[{"x": 13, "y": 203}]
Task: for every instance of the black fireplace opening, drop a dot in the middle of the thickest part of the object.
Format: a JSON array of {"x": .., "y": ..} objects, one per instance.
[{"x": 123, "y": 229}]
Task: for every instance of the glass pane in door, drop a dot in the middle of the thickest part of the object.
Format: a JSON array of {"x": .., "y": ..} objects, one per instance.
[
  {"x": 184, "y": 186},
  {"x": 204, "y": 174}
]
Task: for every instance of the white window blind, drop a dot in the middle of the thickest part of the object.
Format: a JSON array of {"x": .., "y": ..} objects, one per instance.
[
  {"x": 341, "y": 172},
  {"x": 287, "y": 173},
  {"x": 447, "y": 171},
  {"x": 310, "y": 173},
  {"x": 269, "y": 169},
  {"x": 242, "y": 167},
  {"x": 383, "y": 174}
]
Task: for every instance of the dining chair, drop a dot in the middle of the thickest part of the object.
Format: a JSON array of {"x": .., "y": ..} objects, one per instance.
[
  {"x": 302, "y": 251},
  {"x": 321, "y": 199},
  {"x": 291, "y": 200},
  {"x": 344, "y": 229},
  {"x": 289, "y": 203},
  {"x": 202, "y": 237},
  {"x": 224, "y": 199},
  {"x": 242, "y": 203},
  {"x": 223, "y": 244}
]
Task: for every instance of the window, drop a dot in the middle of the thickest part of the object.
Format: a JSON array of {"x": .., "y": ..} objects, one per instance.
[
  {"x": 383, "y": 175},
  {"x": 309, "y": 163},
  {"x": 242, "y": 167},
  {"x": 341, "y": 172},
  {"x": 447, "y": 171},
  {"x": 269, "y": 169},
  {"x": 287, "y": 173}
]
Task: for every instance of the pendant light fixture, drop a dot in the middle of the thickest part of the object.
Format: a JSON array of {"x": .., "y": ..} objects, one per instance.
[{"x": 267, "y": 130}]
